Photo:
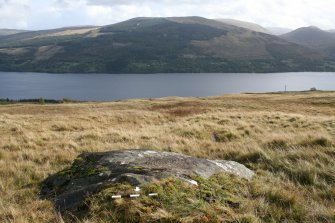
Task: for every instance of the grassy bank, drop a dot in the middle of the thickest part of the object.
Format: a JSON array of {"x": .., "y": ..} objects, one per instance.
[{"x": 288, "y": 139}]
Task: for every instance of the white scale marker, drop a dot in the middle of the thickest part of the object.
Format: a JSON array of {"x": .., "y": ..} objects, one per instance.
[
  {"x": 137, "y": 189},
  {"x": 134, "y": 195}
]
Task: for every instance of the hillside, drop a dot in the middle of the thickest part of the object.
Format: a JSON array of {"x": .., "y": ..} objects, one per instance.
[
  {"x": 247, "y": 25},
  {"x": 43, "y": 37},
  {"x": 313, "y": 37},
  {"x": 6, "y": 32},
  {"x": 287, "y": 139},
  {"x": 156, "y": 45}
]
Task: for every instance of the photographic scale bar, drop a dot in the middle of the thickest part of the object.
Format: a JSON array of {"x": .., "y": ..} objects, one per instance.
[{"x": 133, "y": 196}]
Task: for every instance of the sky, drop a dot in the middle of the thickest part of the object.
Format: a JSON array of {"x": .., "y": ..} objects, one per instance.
[{"x": 48, "y": 14}]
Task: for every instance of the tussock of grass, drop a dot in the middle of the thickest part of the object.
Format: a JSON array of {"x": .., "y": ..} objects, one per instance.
[
  {"x": 320, "y": 141},
  {"x": 288, "y": 139},
  {"x": 224, "y": 136},
  {"x": 222, "y": 198},
  {"x": 277, "y": 144},
  {"x": 178, "y": 201},
  {"x": 254, "y": 157}
]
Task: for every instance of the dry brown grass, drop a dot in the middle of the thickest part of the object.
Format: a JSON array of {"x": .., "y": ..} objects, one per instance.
[{"x": 288, "y": 139}]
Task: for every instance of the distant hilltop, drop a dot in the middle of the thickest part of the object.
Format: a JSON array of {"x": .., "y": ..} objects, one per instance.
[
  {"x": 167, "y": 45},
  {"x": 246, "y": 25}
]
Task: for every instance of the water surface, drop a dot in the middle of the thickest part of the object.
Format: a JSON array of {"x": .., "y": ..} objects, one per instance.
[{"x": 105, "y": 87}]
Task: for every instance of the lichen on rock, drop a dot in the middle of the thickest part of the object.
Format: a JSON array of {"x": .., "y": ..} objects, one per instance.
[{"x": 92, "y": 172}]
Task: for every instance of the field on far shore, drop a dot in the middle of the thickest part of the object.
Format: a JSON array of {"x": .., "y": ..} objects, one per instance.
[{"x": 288, "y": 139}]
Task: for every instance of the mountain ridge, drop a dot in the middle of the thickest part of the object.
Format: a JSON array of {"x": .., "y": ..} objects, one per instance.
[
  {"x": 6, "y": 32},
  {"x": 243, "y": 24},
  {"x": 156, "y": 45},
  {"x": 313, "y": 37}
]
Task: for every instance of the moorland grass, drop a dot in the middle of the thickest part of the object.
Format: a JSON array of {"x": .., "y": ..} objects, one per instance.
[{"x": 287, "y": 139}]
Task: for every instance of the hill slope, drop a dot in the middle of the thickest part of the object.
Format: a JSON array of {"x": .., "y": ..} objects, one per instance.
[
  {"x": 313, "y": 37},
  {"x": 156, "y": 45},
  {"x": 6, "y": 32},
  {"x": 247, "y": 25},
  {"x": 42, "y": 37}
]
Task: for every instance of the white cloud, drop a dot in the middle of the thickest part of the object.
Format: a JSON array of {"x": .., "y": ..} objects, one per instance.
[
  {"x": 41, "y": 14},
  {"x": 13, "y": 13},
  {"x": 132, "y": 2}
]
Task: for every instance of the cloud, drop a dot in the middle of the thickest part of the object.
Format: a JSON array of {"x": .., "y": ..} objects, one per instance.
[
  {"x": 13, "y": 13},
  {"x": 139, "y": 2},
  {"x": 285, "y": 13},
  {"x": 41, "y": 14}
]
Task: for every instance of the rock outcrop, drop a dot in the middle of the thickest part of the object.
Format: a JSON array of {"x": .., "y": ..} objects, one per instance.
[{"x": 91, "y": 172}]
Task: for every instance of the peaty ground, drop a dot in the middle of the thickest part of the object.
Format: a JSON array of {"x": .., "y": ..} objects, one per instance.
[{"x": 288, "y": 139}]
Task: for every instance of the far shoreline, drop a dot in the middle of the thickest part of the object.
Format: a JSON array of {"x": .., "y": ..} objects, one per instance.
[
  {"x": 187, "y": 73},
  {"x": 42, "y": 101}
]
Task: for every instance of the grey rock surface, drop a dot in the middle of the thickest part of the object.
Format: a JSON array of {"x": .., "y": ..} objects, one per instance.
[{"x": 91, "y": 172}]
